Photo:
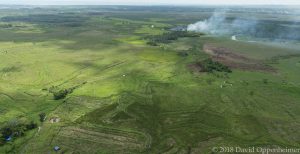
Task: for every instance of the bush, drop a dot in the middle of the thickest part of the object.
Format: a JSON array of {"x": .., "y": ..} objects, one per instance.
[
  {"x": 170, "y": 36},
  {"x": 6, "y": 131},
  {"x": 210, "y": 66},
  {"x": 62, "y": 94},
  {"x": 42, "y": 117},
  {"x": 152, "y": 43},
  {"x": 2, "y": 141},
  {"x": 16, "y": 128},
  {"x": 265, "y": 81},
  {"x": 182, "y": 54},
  {"x": 31, "y": 125}
]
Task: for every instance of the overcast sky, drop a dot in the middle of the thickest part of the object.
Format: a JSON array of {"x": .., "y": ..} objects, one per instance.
[{"x": 152, "y": 2}]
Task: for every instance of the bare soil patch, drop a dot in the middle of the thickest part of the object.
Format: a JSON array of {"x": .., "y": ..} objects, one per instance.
[{"x": 235, "y": 60}]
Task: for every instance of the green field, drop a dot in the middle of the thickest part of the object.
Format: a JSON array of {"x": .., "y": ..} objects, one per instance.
[{"x": 131, "y": 97}]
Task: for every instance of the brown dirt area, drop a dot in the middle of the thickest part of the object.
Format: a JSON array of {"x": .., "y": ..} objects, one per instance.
[{"x": 235, "y": 60}]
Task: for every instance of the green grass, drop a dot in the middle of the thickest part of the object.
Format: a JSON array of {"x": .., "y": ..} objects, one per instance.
[{"x": 139, "y": 98}]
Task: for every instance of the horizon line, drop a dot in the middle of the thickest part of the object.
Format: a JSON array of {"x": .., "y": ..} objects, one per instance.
[{"x": 149, "y": 5}]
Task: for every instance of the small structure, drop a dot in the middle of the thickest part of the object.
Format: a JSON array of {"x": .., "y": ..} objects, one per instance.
[
  {"x": 54, "y": 119},
  {"x": 234, "y": 38},
  {"x": 8, "y": 138},
  {"x": 56, "y": 148}
]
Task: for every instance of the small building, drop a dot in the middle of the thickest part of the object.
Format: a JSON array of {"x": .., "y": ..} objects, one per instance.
[
  {"x": 8, "y": 138},
  {"x": 54, "y": 119},
  {"x": 56, "y": 148}
]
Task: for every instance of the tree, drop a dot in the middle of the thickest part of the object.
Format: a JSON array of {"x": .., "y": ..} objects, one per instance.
[
  {"x": 6, "y": 131},
  {"x": 265, "y": 81},
  {"x": 210, "y": 66},
  {"x": 2, "y": 140},
  {"x": 31, "y": 125},
  {"x": 42, "y": 117}
]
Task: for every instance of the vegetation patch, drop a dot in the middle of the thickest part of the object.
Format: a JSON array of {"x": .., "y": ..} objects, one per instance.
[
  {"x": 42, "y": 117},
  {"x": 10, "y": 69},
  {"x": 15, "y": 129},
  {"x": 5, "y": 25},
  {"x": 59, "y": 94},
  {"x": 169, "y": 37},
  {"x": 210, "y": 66},
  {"x": 182, "y": 54}
]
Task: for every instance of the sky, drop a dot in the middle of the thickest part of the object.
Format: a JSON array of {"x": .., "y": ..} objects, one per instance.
[{"x": 151, "y": 2}]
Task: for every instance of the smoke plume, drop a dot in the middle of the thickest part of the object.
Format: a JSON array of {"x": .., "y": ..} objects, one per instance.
[{"x": 220, "y": 24}]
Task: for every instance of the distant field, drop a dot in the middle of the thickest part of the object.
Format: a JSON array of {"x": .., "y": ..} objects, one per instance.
[{"x": 117, "y": 80}]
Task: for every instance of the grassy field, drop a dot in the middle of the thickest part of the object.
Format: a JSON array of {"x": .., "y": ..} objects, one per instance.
[{"x": 130, "y": 97}]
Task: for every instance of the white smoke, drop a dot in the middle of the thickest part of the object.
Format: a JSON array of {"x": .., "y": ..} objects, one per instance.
[
  {"x": 213, "y": 25},
  {"x": 247, "y": 27},
  {"x": 217, "y": 24}
]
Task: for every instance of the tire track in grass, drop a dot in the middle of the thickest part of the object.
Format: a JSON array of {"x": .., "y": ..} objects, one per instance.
[
  {"x": 102, "y": 137},
  {"x": 76, "y": 73},
  {"x": 106, "y": 68},
  {"x": 7, "y": 95}
]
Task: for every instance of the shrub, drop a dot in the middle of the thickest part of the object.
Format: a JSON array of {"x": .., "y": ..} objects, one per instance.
[
  {"x": 265, "y": 81},
  {"x": 170, "y": 36},
  {"x": 15, "y": 128},
  {"x": 42, "y": 117},
  {"x": 62, "y": 94},
  {"x": 210, "y": 66},
  {"x": 2, "y": 141},
  {"x": 6, "y": 131},
  {"x": 182, "y": 54},
  {"x": 31, "y": 125},
  {"x": 152, "y": 43}
]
